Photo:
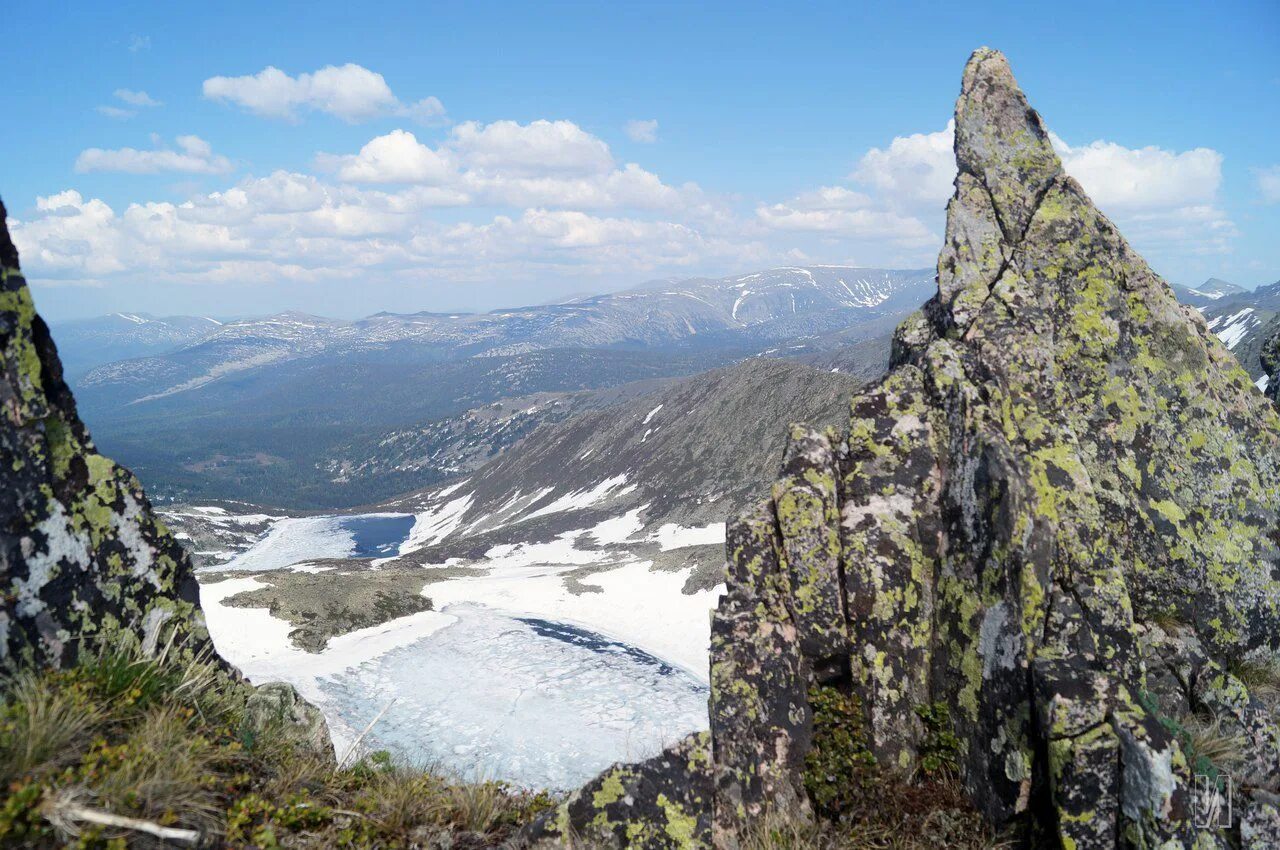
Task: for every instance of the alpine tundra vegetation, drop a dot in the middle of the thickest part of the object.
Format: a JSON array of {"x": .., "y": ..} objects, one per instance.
[{"x": 1029, "y": 595}]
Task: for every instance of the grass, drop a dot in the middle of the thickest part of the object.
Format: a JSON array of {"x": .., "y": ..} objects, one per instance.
[
  {"x": 165, "y": 741},
  {"x": 943, "y": 821},
  {"x": 1262, "y": 678}
]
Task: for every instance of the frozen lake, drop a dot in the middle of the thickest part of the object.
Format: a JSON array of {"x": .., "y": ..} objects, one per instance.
[
  {"x": 298, "y": 539},
  {"x": 541, "y": 704},
  {"x": 513, "y": 676}
]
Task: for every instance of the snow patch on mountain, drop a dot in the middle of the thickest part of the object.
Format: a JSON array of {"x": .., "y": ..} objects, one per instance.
[
  {"x": 437, "y": 523},
  {"x": 1233, "y": 328},
  {"x": 673, "y": 536},
  {"x": 580, "y": 499},
  {"x": 295, "y": 539}
]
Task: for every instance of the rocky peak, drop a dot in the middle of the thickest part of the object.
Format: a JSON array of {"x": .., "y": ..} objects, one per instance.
[
  {"x": 1053, "y": 523},
  {"x": 82, "y": 554}
]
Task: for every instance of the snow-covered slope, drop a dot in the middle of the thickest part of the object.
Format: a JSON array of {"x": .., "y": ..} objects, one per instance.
[{"x": 1242, "y": 319}]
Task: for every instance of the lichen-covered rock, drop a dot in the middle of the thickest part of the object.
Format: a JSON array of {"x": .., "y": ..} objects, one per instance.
[
  {"x": 1260, "y": 823},
  {"x": 1060, "y": 458},
  {"x": 660, "y": 804},
  {"x": 81, "y": 552},
  {"x": 759, "y": 709},
  {"x": 808, "y": 514},
  {"x": 276, "y": 709}
]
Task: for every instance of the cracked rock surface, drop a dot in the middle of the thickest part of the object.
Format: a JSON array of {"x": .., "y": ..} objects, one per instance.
[{"x": 1060, "y": 458}]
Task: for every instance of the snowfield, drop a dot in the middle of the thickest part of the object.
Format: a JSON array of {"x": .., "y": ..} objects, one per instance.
[{"x": 562, "y": 658}]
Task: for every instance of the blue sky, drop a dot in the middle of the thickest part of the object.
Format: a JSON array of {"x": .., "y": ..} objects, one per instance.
[{"x": 469, "y": 156}]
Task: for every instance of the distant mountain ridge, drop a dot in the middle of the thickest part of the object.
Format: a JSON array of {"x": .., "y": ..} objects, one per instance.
[
  {"x": 86, "y": 343},
  {"x": 753, "y": 308},
  {"x": 335, "y": 413}
]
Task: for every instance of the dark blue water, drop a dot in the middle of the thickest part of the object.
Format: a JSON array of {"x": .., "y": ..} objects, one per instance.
[
  {"x": 377, "y": 536},
  {"x": 595, "y": 642}
]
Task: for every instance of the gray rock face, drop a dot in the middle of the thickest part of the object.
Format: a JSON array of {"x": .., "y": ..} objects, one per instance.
[
  {"x": 1060, "y": 456},
  {"x": 276, "y": 709},
  {"x": 81, "y": 551}
]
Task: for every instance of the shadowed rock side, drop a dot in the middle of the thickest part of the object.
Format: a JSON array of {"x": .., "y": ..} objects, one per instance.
[
  {"x": 1269, "y": 356},
  {"x": 1055, "y": 517},
  {"x": 81, "y": 552}
]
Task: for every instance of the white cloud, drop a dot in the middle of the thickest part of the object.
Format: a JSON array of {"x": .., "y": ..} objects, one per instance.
[
  {"x": 645, "y": 132},
  {"x": 1269, "y": 184},
  {"x": 397, "y": 157},
  {"x": 836, "y": 211},
  {"x": 291, "y": 226},
  {"x": 136, "y": 98},
  {"x": 194, "y": 156},
  {"x": 350, "y": 92},
  {"x": 116, "y": 112},
  {"x": 1165, "y": 201},
  {"x": 1150, "y": 178},
  {"x": 139, "y": 42},
  {"x": 542, "y": 164},
  {"x": 539, "y": 147},
  {"x": 914, "y": 171}
]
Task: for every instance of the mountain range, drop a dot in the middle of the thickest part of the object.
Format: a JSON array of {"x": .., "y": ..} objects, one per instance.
[{"x": 299, "y": 405}]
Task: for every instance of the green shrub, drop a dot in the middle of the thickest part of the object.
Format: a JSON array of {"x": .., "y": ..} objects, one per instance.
[{"x": 838, "y": 766}]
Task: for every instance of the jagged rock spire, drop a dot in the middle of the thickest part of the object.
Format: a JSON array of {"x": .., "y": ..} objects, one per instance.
[
  {"x": 81, "y": 552},
  {"x": 1057, "y": 525}
]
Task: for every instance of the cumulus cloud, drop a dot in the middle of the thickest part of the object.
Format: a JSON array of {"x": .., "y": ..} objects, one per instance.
[
  {"x": 139, "y": 42},
  {"x": 1164, "y": 200},
  {"x": 350, "y": 92},
  {"x": 1269, "y": 184},
  {"x": 397, "y": 157},
  {"x": 645, "y": 132},
  {"x": 838, "y": 211},
  {"x": 193, "y": 156},
  {"x": 297, "y": 227},
  {"x": 538, "y": 147},
  {"x": 915, "y": 170},
  {"x": 540, "y": 164},
  {"x": 1119, "y": 178}
]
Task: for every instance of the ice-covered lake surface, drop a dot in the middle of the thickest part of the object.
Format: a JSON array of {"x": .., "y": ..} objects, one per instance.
[
  {"x": 512, "y": 677},
  {"x": 538, "y": 703},
  {"x": 297, "y": 539}
]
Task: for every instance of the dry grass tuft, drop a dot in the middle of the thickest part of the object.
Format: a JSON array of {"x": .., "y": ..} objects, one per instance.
[{"x": 43, "y": 726}]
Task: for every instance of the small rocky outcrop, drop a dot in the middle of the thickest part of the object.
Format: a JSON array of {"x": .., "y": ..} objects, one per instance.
[
  {"x": 276, "y": 709},
  {"x": 1269, "y": 356},
  {"x": 1053, "y": 524},
  {"x": 81, "y": 552}
]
